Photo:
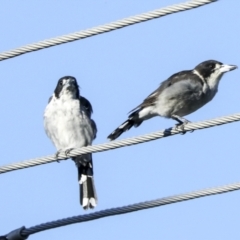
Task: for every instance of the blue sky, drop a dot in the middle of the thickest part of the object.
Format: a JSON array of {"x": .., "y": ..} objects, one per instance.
[{"x": 116, "y": 71}]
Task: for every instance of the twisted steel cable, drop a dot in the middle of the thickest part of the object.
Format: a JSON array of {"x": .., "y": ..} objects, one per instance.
[
  {"x": 104, "y": 28},
  {"x": 22, "y": 233},
  {"x": 121, "y": 143}
]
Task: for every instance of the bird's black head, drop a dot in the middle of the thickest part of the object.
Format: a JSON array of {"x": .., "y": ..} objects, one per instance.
[
  {"x": 213, "y": 68},
  {"x": 67, "y": 86}
]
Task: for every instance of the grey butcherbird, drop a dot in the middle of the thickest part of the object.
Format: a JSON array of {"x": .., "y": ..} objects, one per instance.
[
  {"x": 68, "y": 123},
  {"x": 178, "y": 96}
]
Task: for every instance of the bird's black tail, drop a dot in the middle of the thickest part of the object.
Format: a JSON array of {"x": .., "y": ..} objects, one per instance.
[
  {"x": 88, "y": 196},
  {"x": 133, "y": 120}
]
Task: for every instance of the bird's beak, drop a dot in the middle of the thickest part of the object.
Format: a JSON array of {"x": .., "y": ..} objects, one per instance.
[
  {"x": 69, "y": 85},
  {"x": 226, "y": 68}
]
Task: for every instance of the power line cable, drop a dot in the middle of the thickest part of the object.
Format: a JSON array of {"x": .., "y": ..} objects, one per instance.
[
  {"x": 22, "y": 233},
  {"x": 121, "y": 143},
  {"x": 104, "y": 28}
]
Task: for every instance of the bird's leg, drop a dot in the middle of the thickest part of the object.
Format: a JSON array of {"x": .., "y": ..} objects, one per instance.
[{"x": 181, "y": 123}]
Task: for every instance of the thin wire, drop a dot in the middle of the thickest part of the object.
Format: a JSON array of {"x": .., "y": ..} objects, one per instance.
[
  {"x": 121, "y": 143},
  {"x": 104, "y": 28},
  {"x": 130, "y": 208}
]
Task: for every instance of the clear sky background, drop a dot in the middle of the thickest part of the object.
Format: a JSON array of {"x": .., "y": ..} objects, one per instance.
[{"x": 116, "y": 71}]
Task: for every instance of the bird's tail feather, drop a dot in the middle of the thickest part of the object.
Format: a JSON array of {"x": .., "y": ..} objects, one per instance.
[
  {"x": 88, "y": 196},
  {"x": 133, "y": 120}
]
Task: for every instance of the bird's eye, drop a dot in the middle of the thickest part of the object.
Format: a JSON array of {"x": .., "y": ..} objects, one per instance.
[
  {"x": 61, "y": 83},
  {"x": 212, "y": 66}
]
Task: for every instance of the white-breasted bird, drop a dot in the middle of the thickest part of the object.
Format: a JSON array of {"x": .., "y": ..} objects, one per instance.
[
  {"x": 68, "y": 123},
  {"x": 178, "y": 96}
]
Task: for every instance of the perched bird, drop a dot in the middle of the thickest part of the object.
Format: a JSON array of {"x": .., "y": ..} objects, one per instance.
[
  {"x": 178, "y": 96},
  {"x": 68, "y": 123}
]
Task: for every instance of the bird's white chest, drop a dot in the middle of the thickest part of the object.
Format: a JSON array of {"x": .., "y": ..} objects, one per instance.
[{"x": 66, "y": 125}]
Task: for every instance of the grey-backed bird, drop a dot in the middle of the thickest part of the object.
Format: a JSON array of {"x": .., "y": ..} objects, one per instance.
[
  {"x": 178, "y": 96},
  {"x": 68, "y": 123}
]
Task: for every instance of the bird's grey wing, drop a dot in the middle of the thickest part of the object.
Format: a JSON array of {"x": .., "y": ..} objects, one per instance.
[
  {"x": 180, "y": 76},
  {"x": 94, "y": 127},
  {"x": 149, "y": 101},
  {"x": 89, "y": 110},
  {"x": 87, "y": 106}
]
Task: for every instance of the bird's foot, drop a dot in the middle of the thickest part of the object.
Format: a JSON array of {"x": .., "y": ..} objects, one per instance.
[
  {"x": 57, "y": 155},
  {"x": 67, "y": 151},
  {"x": 181, "y": 124},
  {"x": 180, "y": 127},
  {"x": 61, "y": 151}
]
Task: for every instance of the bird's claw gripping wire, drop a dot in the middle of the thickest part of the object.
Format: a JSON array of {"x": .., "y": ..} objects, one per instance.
[
  {"x": 59, "y": 152},
  {"x": 68, "y": 151},
  {"x": 180, "y": 127},
  {"x": 182, "y": 122}
]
